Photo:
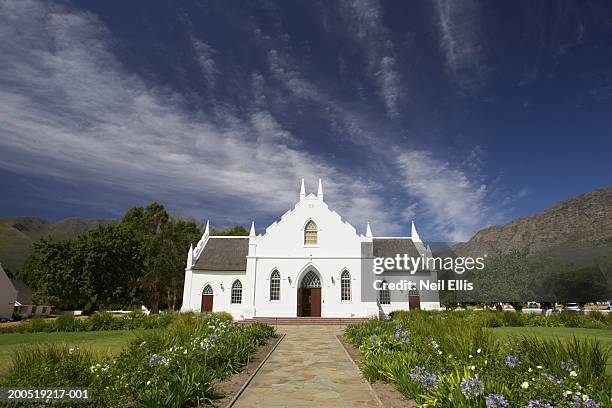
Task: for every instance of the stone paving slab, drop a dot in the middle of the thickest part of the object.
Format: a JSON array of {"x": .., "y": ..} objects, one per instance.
[{"x": 309, "y": 368}]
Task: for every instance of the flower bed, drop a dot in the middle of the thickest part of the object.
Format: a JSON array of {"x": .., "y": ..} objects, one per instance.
[
  {"x": 173, "y": 367},
  {"x": 450, "y": 360}
]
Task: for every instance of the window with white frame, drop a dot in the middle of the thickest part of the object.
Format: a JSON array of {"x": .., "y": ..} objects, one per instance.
[
  {"x": 384, "y": 296},
  {"x": 275, "y": 285},
  {"x": 236, "y": 292},
  {"x": 310, "y": 233},
  {"x": 345, "y": 286}
]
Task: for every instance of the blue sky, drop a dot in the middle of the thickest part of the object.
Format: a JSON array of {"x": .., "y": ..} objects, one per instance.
[{"x": 458, "y": 115}]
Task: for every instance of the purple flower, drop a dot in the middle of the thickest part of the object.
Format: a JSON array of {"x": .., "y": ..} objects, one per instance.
[
  {"x": 578, "y": 402},
  {"x": 471, "y": 387},
  {"x": 396, "y": 336},
  {"x": 568, "y": 365},
  {"x": 157, "y": 360},
  {"x": 538, "y": 404},
  {"x": 512, "y": 361},
  {"x": 214, "y": 337},
  {"x": 426, "y": 379},
  {"x": 398, "y": 327},
  {"x": 374, "y": 338},
  {"x": 496, "y": 401},
  {"x": 552, "y": 378}
]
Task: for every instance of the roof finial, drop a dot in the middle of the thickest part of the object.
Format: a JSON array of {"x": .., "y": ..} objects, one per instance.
[
  {"x": 414, "y": 234},
  {"x": 190, "y": 256},
  {"x": 302, "y": 191},
  {"x": 207, "y": 229},
  {"x": 368, "y": 230},
  {"x": 320, "y": 191},
  {"x": 252, "y": 233}
]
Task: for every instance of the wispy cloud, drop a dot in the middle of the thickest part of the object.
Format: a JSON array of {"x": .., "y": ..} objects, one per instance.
[
  {"x": 71, "y": 111},
  {"x": 454, "y": 204},
  {"x": 364, "y": 23},
  {"x": 462, "y": 43}
]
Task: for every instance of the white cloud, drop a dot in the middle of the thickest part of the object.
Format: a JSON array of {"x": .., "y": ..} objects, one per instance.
[
  {"x": 453, "y": 203},
  {"x": 363, "y": 21},
  {"x": 462, "y": 42},
  {"x": 70, "y": 111}
]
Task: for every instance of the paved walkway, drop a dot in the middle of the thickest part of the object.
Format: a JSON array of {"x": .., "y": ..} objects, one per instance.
[{"x": 309, "y": 368}]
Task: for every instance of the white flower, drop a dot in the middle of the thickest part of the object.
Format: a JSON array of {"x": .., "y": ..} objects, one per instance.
[
  {"x": 148, "y": 382},
  {"x": 440, "y": 352},
  {"x": 478, "y": 351},
  {"x": 142, "y": 344},
  {"x": 539, "y": 367},
  {"x": 470, "y": 356},
  {"x": 585, "y": 397},
  {"x": 71, "y": 350},
  {"x": 525, "y": 385},
  {"x": 573, "y": 374},
  {"x": 530, "y": 369},
  {"x": 566, "y": 393},
  {"x": 485, "y": 362},
  {"x": 472, "y": 368}
]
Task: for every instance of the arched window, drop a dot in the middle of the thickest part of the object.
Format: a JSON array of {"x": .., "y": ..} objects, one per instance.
[
  {"x": 345, "y": 286},
  {"x": 237, "y": 292},
  {"x": 310, "y": 233},
  {"x": 311, "y": 280},
  {"x": 384, "y": 296},
  {"x": 207, "y": 290},
  {"x": 275, "y": 286}
]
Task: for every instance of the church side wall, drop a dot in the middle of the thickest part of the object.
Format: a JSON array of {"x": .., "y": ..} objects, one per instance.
[{"x": 221, "y": 283}]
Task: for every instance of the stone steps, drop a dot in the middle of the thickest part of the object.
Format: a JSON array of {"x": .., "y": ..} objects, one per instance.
[{"x": 304, "y": 320}]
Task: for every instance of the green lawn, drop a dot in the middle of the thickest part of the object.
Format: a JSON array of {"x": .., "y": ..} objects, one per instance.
[
  {"x": 103, "y": 341},
  {"x": 604, "y": 336}
]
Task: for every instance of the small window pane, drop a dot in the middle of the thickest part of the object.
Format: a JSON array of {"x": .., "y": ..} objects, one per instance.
[
  {"x": 345, "y": 286},
  {"x": 208, "y": 290},
  {"x": 275, "y": 286},
  {"x": 384, "y": 296},
  {"x": 237, "y": 292}
]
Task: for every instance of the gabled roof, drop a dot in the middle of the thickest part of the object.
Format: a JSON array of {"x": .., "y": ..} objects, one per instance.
[
  {"x": 224, "y": 254},
  {"x": 390, "y": 247}
]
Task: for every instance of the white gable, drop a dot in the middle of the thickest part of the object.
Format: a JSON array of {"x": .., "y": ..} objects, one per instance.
[{"x": 336, "y": 237}]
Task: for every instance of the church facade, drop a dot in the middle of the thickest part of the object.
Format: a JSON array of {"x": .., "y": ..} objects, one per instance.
[{"x": 309, "y": 263}]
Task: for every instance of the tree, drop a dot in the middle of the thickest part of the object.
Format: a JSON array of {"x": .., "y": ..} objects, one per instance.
[{"x": 164, "y": 247}]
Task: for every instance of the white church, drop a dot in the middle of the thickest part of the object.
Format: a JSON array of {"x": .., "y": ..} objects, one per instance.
[{"x": 309, "y": 263}]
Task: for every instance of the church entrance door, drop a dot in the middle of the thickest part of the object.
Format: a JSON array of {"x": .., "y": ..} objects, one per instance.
[{"x": 309, "y": 296}]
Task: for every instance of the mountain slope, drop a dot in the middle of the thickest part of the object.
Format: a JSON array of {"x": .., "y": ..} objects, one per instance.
[
  {"x": 18, "y": 233},
  {"x": 582, "y": 219}
]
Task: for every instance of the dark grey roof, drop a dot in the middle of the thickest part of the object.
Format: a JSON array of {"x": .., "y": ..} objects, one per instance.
[
  {"x": 390, "y": 247},
  {"x": 224, "y": 254},
  {"x": 24, "y": 292}
]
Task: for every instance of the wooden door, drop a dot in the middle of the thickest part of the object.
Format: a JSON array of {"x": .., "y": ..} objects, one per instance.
[
  {"x": 300, "y": 311},
  {"x": 306, "y": 306},
  {"x": 414, "y": 302},
  {"x": 315, "y": 302},
  {"x": 207, "y": 303}
]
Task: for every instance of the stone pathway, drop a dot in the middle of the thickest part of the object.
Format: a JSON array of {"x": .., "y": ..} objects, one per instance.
[{"x": 309, "y": 368}]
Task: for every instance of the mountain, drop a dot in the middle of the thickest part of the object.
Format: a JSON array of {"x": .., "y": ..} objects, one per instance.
[
  {"x": 18, "y": 233},
  {"x": 580, "y": 221}
]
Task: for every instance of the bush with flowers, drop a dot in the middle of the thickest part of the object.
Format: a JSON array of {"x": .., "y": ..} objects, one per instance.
[
  {"x": 448, "y": 359},
  {"x": 172, "y": 367}
]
